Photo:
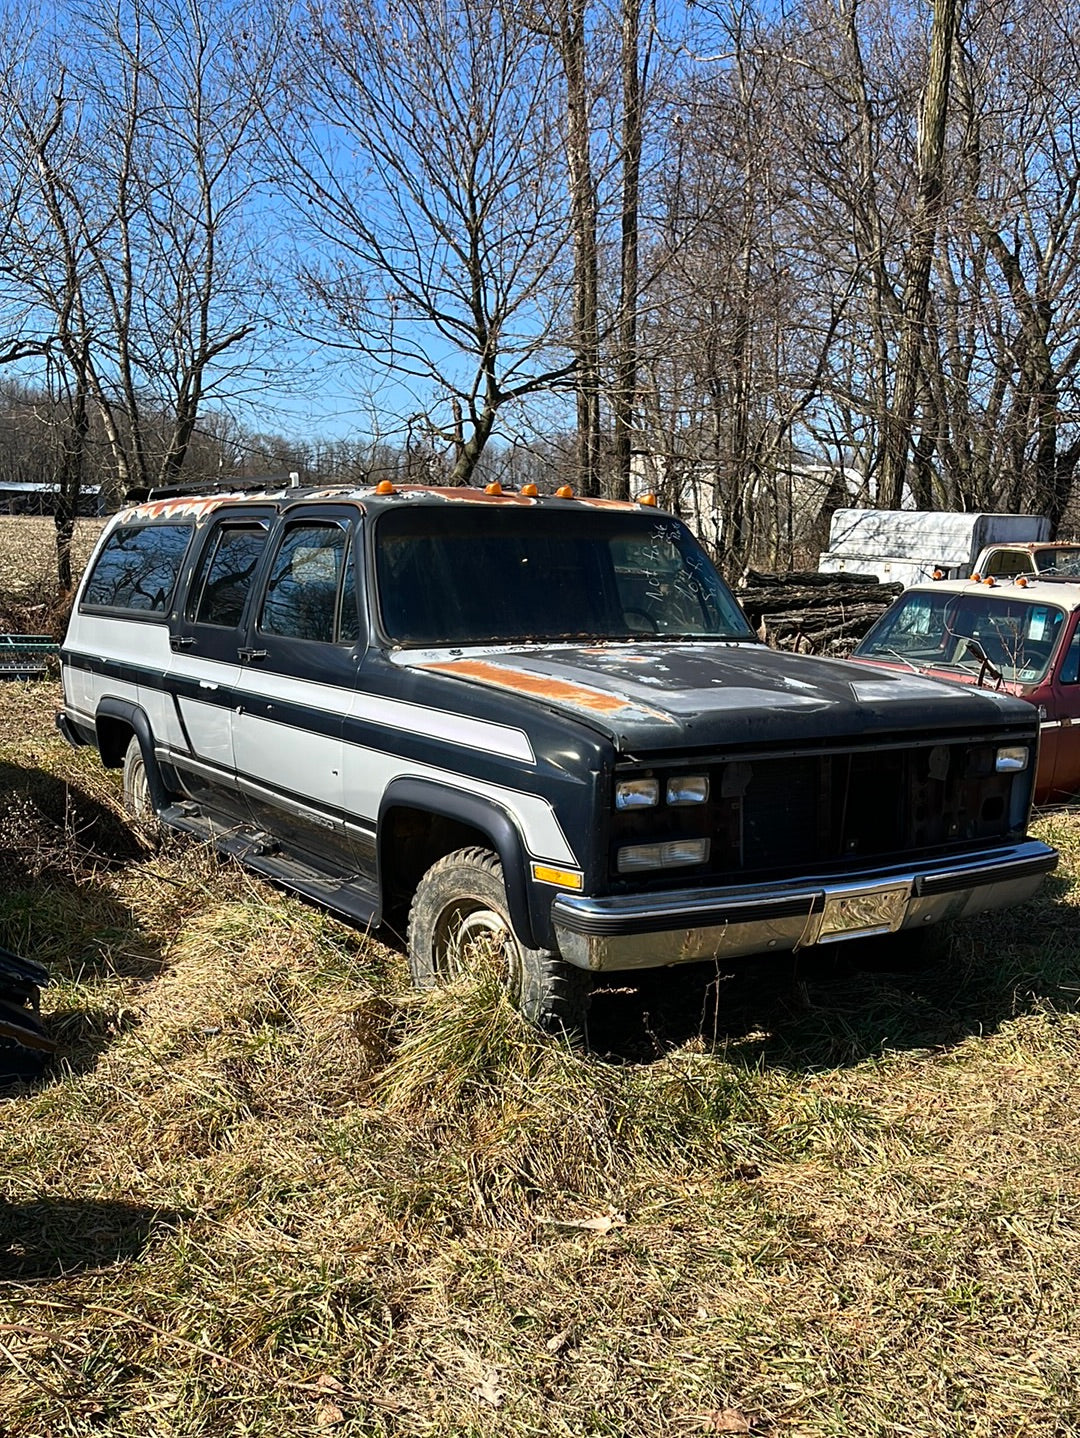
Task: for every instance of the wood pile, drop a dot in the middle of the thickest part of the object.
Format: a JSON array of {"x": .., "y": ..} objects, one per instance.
[{"x": 812, "y": 613}]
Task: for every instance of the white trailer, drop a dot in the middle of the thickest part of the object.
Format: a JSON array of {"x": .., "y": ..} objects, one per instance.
[{"x": 905, "y": 546}]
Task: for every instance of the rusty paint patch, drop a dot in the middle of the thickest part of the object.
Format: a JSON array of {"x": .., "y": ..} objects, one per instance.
[
  {"x": 165, "y": 508},
  {"x": 559, "y": 691}
]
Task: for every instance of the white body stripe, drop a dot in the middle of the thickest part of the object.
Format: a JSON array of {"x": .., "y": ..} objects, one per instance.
[{"x": 350, "y": 777}]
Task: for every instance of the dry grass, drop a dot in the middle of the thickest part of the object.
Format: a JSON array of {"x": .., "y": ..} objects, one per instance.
[
  {"x": 29, "y": 595},
  {"x": 269, "y": 1191}
]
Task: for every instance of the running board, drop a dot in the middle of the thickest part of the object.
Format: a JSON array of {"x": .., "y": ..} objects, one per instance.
[{"x": 345, "y": 895}]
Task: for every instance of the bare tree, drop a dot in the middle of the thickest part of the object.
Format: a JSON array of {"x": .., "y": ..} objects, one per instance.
[
  {"x": 930, "y": 150},
  {"x": 413, "y": 148}
]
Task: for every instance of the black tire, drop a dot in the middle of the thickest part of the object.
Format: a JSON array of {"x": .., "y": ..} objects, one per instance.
[
  {"x": 137, "y": 798},
  {"x": 461, "y": 899}
]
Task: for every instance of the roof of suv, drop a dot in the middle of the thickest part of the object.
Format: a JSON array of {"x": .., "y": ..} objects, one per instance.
[
  {"x": 159, "y": 505},
  {"x": 1029, "y": 588}
]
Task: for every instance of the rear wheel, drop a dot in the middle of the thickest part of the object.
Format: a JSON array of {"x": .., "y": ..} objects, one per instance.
[
  {"x": 459, "y": 906},
  {"x": 137, "y": 798}
]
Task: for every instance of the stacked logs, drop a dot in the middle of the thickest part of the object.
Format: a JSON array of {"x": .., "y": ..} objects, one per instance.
[{"x": 814, "y": 613}]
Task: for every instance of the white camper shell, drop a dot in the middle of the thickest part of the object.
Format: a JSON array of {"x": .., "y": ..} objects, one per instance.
[{"x": 903, "y": 546}]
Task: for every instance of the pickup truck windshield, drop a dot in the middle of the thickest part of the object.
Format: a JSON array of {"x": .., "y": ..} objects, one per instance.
[
  {"x": 473, "y": 574},
  {"x": 938, "y": 630}
]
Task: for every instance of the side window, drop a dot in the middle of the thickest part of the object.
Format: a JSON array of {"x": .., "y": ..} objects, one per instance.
[
  {"x": 225, "y": 574},
  {"x": 138, "y": 568},
  {"x": 304, "y": 597},
  {"x": 1069, "y": 668}
]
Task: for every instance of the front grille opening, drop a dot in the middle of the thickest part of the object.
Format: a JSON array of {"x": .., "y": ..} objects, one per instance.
[{"x": 785, "y": 816}]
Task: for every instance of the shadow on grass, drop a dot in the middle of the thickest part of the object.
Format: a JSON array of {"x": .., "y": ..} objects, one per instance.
[
  {"x": 852, "y": 1001},
  {"x": 51, "y": 1237},
  {"x": 57, "y": 848}
]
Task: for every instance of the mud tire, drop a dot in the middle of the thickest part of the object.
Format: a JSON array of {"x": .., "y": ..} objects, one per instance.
[{"x": 462, "y": 899}]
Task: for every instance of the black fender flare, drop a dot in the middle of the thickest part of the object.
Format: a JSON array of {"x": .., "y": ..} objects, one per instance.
[
  {"x": 130, "y": 714},
  {"x": 482, "y": 814}
]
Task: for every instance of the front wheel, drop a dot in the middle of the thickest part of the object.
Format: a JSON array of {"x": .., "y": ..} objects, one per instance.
[{"x": 459, "y": 904}]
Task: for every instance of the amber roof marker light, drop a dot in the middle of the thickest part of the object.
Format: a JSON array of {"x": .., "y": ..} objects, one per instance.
[
  {"x": 649, "y": 500},
  {"x": 385, "y": 486},
  {"x": 564, "y": 492},
  {"x": 529, "y": 491}
]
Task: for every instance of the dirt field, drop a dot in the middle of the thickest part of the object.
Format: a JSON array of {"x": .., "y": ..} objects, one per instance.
[
  {"x": 269, "y": 1191},
  {"x": 29, "y": 593}
]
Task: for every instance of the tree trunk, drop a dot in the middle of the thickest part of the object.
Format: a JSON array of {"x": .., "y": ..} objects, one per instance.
[
  {"x": 583, "y": 218},
  {"x": 930, "y": 148},
  {"x": 626, "y": 362}
]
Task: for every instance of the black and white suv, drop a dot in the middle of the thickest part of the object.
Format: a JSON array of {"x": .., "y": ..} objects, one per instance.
[{"x": 542, "y": 719}]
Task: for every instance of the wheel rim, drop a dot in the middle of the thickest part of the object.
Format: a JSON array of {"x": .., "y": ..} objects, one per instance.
[
  {"x": 468, "y": 928},
  {"x": 140, "y": 793}
]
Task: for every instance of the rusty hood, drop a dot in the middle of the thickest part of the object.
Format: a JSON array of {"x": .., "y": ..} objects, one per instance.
[{"x": 648, "y": 695}]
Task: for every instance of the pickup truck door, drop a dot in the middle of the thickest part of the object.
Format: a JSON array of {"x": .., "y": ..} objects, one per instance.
[
  {"x": 297, "y": 670},
  {"x": 1060, "y": 742},
  {"x": 206, "y": 638}
]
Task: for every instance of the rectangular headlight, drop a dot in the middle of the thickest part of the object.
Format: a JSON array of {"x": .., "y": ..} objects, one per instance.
[
  {"x": 637, "y": 793},
  {"x": 1011, "y": 761},
  {"x": 688, "y": 789},
  {"x": 671, "y": 855}
]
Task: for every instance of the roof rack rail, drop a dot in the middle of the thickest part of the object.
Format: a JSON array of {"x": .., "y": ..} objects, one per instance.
[{"x": 270, "y": 485}]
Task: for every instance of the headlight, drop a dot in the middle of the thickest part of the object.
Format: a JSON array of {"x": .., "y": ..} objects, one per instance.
[
  {"x": 690, "y": 789},
  {"x": 637, "y": 793},
  {"x": 671, "y": 855},
  {"x": 1011, "y": 761}
]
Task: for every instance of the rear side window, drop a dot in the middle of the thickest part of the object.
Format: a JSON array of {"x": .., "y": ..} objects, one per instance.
[
  {"x": 138, "y": 568},
  {"x": 221, "y": 590}
]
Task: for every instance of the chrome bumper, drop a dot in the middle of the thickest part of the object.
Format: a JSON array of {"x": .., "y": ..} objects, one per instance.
[{"x": 645, "y": 931}]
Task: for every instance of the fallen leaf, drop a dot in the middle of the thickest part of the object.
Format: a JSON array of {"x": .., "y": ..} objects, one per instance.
[
  {"x": 602, "y": 1223},
  {"x": 489, "y": 1391},
  {"x": 727, "y": 1420},
  {"x": 558, "y": 1341},
  {"x": 328, "y": 1415}
]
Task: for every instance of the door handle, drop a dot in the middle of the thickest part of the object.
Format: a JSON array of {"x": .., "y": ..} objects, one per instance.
[
  {"x": 249, "y": 656},
  {"x": 180, "y": 641}
]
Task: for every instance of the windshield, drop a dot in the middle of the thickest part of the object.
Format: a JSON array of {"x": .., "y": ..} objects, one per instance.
[
  {"x": 473, "y": 574},
  {"x": 932, "y": 629}
]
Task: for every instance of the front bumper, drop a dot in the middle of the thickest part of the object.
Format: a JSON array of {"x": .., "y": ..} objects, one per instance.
[{"x": 646, "y": 931}]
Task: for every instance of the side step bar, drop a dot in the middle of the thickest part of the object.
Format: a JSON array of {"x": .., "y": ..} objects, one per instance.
[{"x": 347, "y": 896}]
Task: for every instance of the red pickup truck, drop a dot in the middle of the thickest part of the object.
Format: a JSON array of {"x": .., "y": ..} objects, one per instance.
[{"x": 1020, "y": 636}]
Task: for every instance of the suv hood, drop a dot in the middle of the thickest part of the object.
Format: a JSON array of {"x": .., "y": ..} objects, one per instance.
[{"x": 667, "y": 695}]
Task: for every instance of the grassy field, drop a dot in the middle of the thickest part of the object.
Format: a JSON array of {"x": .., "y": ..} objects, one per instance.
[
  {"x": 267, "y": 1190},
  {"x": 28, "y": 588}
]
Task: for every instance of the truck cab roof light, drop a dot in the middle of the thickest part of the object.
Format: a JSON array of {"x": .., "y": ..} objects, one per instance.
[
  {"x": 385, "y": 486},
  {"x": 649, "y": 500},
  {"x": 493, "y": 488},
  {"x": 529, "y": 491},
  {"x": 564, "y": 492}
]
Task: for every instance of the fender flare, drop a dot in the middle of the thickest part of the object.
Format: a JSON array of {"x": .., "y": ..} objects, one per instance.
[
  {"x": 480, "y": 813},
  {"x": 130, "y": 714}
]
